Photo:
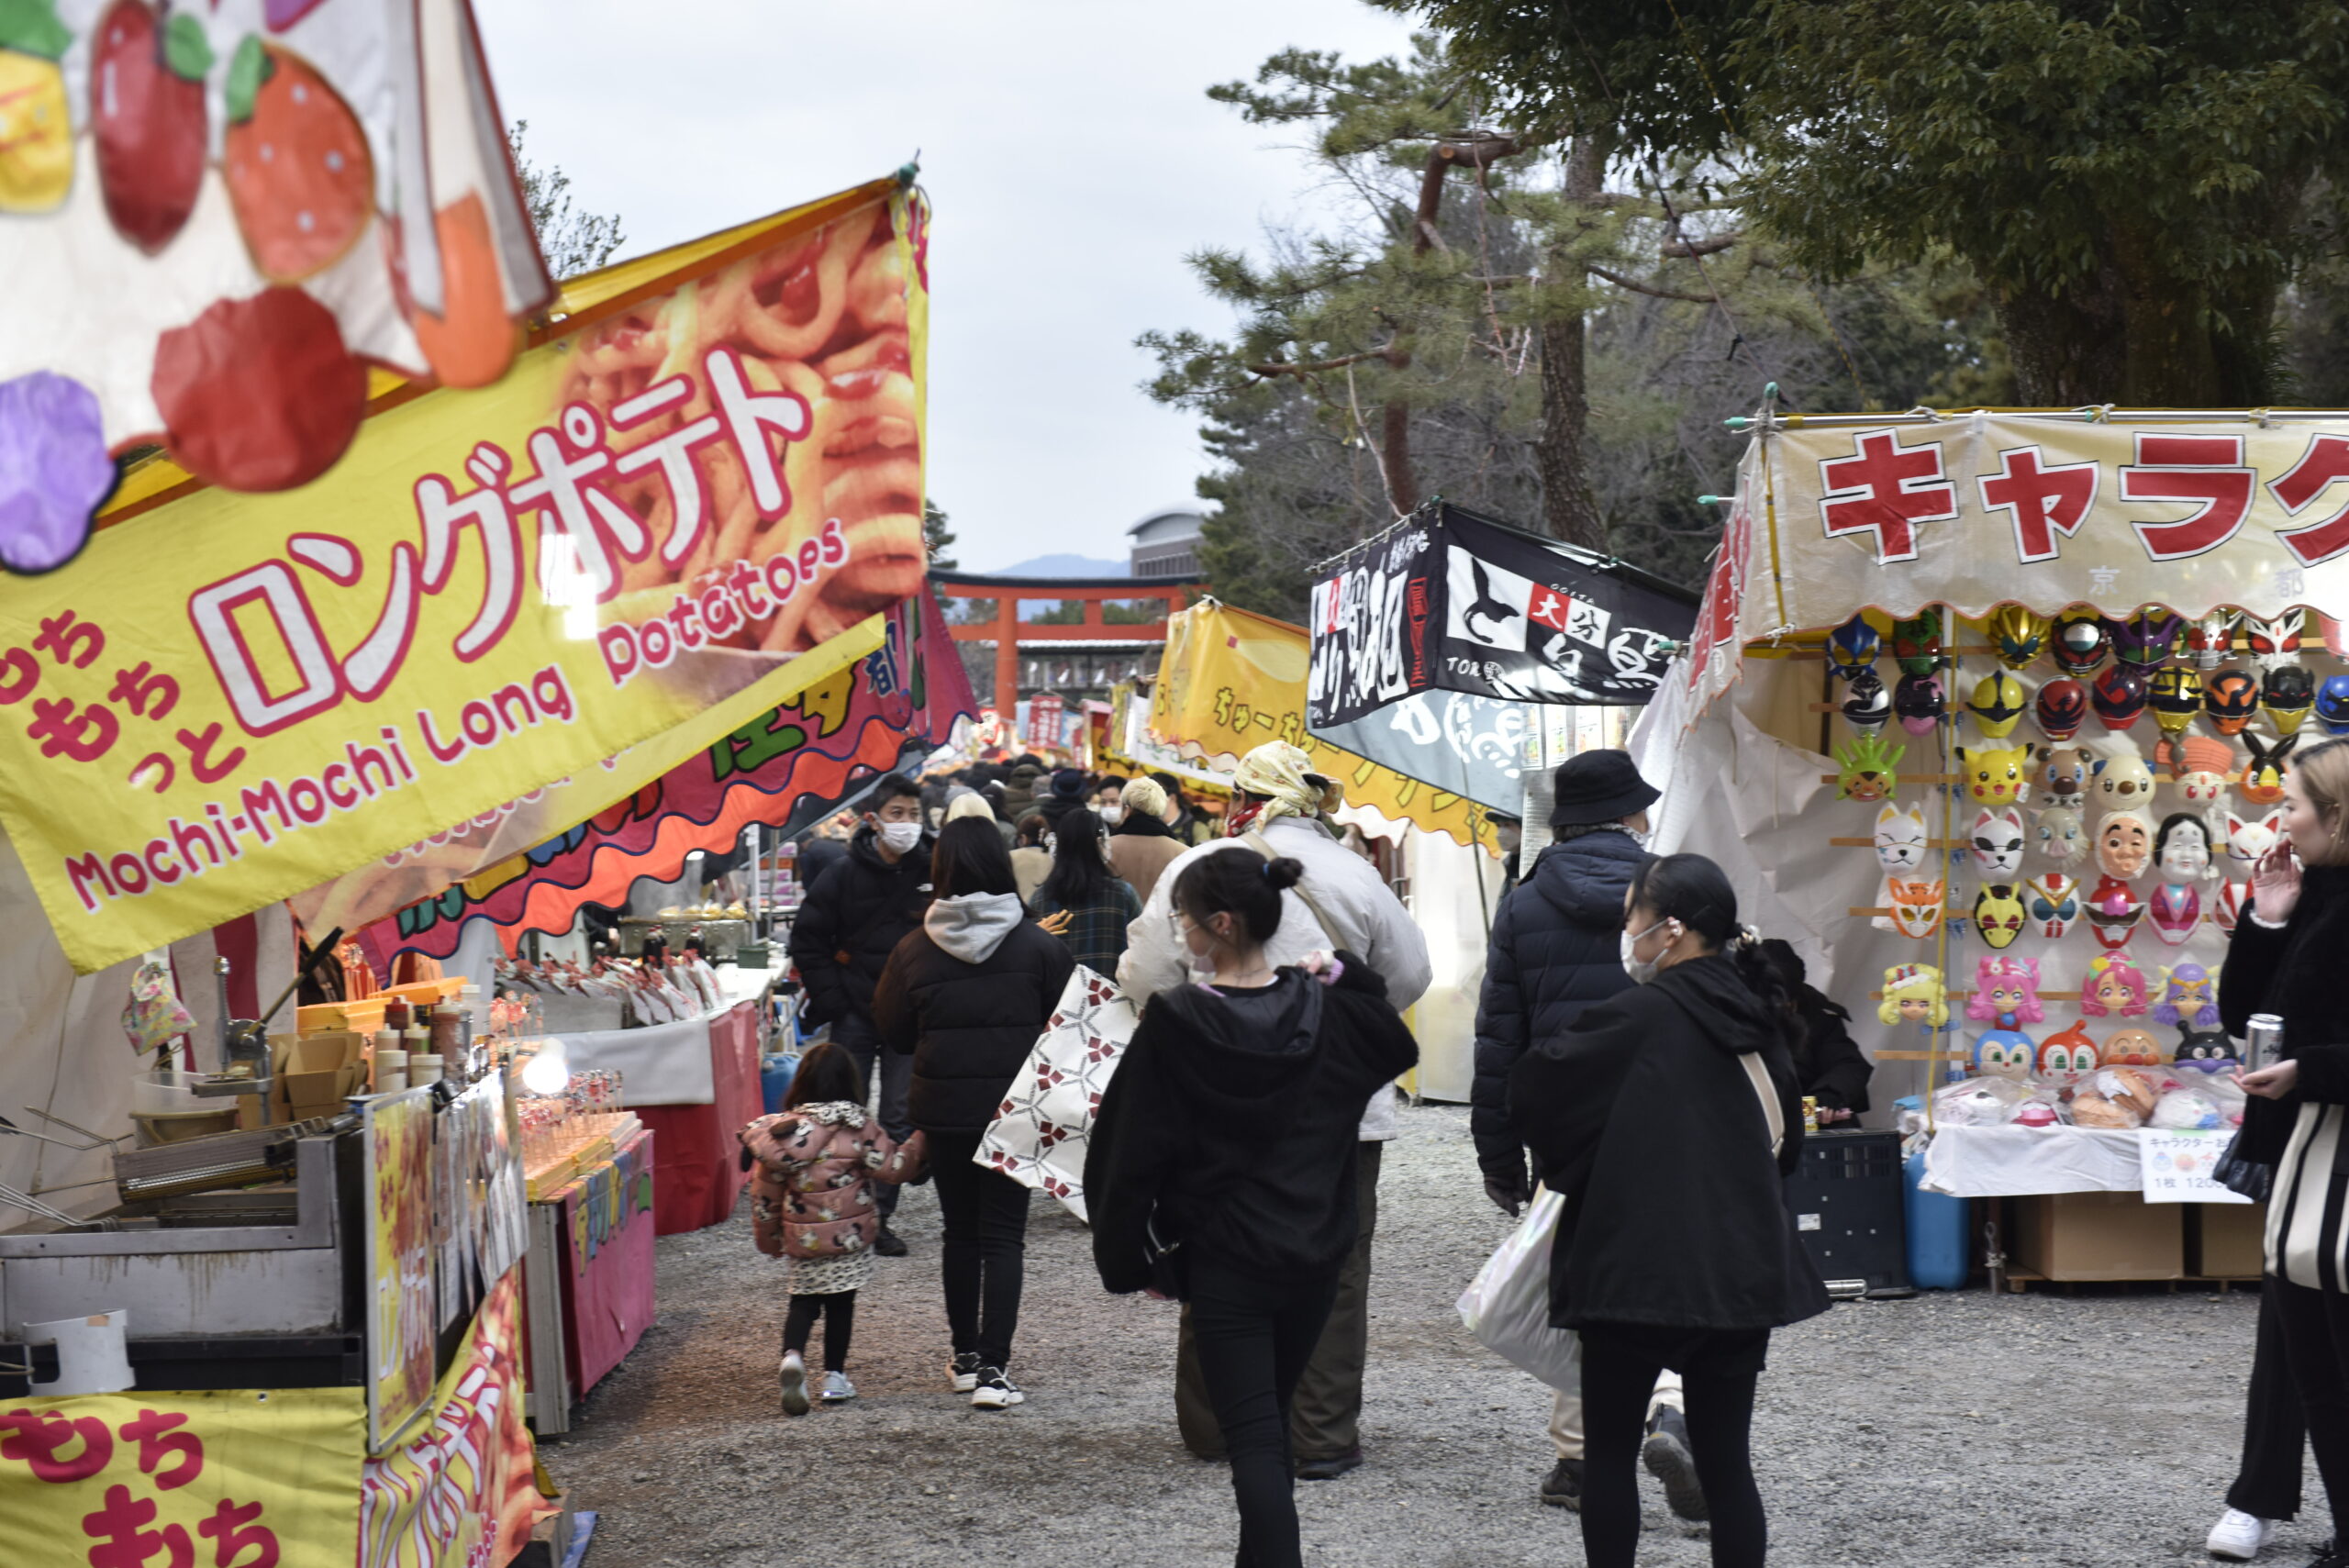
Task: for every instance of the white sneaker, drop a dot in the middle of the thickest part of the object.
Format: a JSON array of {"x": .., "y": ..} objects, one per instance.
[
  {"x": 995, "y": 1390},
  {"x": 2238, "y": 1536},
  {"x": 838, "y": 1389},
  {"x": 794, "y": 1384}
]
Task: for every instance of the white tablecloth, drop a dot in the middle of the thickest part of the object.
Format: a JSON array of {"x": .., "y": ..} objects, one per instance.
[
  {"x": 665, "y": 1064},
  {"x": 2020, "y": 1162}
]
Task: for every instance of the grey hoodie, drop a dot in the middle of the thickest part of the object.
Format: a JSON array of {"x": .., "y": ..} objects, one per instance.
[{"x": 972, "y": 927}]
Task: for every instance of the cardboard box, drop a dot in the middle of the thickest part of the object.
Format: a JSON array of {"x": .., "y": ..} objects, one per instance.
[
  {"x": 316, "y": 1072},
  {"x": 365, "y": 1016},
  {"x": 2100, "y": 1236},
  {"x": 2226, "y": 1241}
]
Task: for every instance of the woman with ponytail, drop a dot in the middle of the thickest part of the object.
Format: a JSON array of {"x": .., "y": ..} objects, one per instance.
[
  {"x": 1222, "y": 1168},
  {"x": 1669, "y": 1117}
]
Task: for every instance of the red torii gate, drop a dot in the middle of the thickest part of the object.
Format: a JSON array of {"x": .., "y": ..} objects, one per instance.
[{"x": 1008, "y": 632}]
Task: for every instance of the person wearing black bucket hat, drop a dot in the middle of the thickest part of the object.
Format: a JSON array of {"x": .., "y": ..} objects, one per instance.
[{"x": 1555, "y": 951}]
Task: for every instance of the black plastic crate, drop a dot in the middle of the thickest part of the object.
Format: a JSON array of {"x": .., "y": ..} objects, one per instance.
[{"x": 1846, "y": 1200}]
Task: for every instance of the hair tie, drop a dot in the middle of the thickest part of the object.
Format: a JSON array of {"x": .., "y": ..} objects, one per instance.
[
  {"x": 1264, "y": 870},
  {"x": 1747, "y": 937}
]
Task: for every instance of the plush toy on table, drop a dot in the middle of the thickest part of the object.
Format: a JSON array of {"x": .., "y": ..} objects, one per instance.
[
  {"x": 2005, "y": 1053},
  {"x": 2204, "y": 1049},
  {"x": 2114, "y": 986},
  {"x": 2054, "y": 902},
  {"x": 1867, "y": 772},
  {"x": 1914, "y": 993},
  {"x": 2006, "y": 991},
  {"x": 2067, "y": 1056},
  {"x": 2189, "y": 995},
  {"x": 2132, "y": 1048},
  {"x": 2113, "y": 913}
]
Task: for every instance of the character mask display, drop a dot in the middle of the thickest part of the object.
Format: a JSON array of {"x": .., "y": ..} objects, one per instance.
[
  {"x": 1998, "y": 704},
  {"x": 1851, "y": 647},
  {"x": 2332, "y": 705},
  {"x": 1998, "y": 777},
  {"x": 2233, "y": 896},
  {"x": 2054, "y": 902},
  {"x": 1920, "y": 703},
  {"x": 2147, "y": 638},
  {"x": 2114, "y": 986},
  {"x": 2006, "y": 991},
  {"x": 2205, "y": 1050},
  {"x": 2176, "y": 698},
  {"x": 1917, "y": 643},
  {"x": 2061, "y": 708},
  {"x": 2285, "y": 696},
  {"x": 1868, "y": 765},
  {"x": 1914, "y": 993},
  {"x": 1997, "y": 843},
  {"x": 2174, "y": 911},
  {"x": 1900, "y": 839},
  {"x": 2263, "y": 780},
  {"x": 1915, "y": 906},
  {"x": 2124, "y": 841},
  {"x": 2120, "y": 696},
  {"x": 2123, "y": 780},
  {"x": 2182, "y": 848},
  {"x": 1867, "y": 707},
  {"x": 2016, "y": 635},
  {"x": 2189, "y": 995},
  {"x": 2064, "y": 776},
  {"x": 1998, "y": 915},
  {"x": 2113, "y": 913},
  {"x": 2199, "y": 766},
  {"x": 2270, "y": 639},
  {"x": 2068, "y": 1056},
  {"x": 2005, "y": 1053},
  {"x": 2132, "y": 1048},
  {"x": 2061, "y": 839},
  {"x": 2228, "y": 699},
  {"x": 2078, "y": 641},
  {"x": 2211, "y": 639}
]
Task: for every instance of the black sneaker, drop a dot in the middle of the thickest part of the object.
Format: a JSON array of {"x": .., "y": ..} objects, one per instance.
[
  {"x": 1669, "y": 1460},
  {"x": 964, "y": 1370},
  {"x": 995, "y": 1390},
  {"x": 1563, "y": 1489},
  {"x": 886, "y": 1244},
  {"x": 1329, "y": 1467}
]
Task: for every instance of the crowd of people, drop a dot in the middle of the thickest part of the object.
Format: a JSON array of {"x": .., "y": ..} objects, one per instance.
[{"x": 1639, "y": 1052}]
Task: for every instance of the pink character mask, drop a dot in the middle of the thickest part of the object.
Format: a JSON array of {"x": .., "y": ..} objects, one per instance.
[
  {"x": 2176, "y": 912},
  {"x": 2114, "y": 986},
  {"x": 2006, "y": 991}
]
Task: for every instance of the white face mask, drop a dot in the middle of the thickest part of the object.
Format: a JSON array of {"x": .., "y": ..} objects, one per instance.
[
  {"x": 901, "y": 835},
  {"x": 1113, "y": 815},
  {"x": 1642, "y": 970}
]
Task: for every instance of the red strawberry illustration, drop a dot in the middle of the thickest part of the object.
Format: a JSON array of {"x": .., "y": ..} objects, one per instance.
[
  {"x": 300, "y": 176},
  {"x": 147, "y": 118}
]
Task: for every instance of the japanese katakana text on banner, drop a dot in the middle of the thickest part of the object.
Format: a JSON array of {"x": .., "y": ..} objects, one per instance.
[{"x": 231, "y": 698}]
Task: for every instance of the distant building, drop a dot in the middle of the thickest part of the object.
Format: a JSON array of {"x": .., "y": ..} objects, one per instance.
[{"x": 1166, "y": 544}]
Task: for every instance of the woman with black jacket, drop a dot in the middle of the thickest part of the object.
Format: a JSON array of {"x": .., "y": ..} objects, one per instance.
[
  {"x": 2285, "y": 958},
  {"x": 1221, "y": 1166},
  {"x": 1668, "y": 1117},
  {"x": 1830, "y": 1066},
  {"x": 966, "y": 996}
]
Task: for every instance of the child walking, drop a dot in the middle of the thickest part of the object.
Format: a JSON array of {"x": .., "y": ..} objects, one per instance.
[{"x": 812, "y": 1203}]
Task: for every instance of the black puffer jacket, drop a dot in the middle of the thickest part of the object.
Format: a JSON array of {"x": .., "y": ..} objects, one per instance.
[
  {"x": 851, "y": 919},
  {"x": 967, "y": 995},
  {"x": 1556, "y": 949}
]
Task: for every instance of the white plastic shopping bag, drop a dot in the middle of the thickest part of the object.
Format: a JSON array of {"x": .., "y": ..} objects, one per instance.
[{"x": 1507, "y": 1306}]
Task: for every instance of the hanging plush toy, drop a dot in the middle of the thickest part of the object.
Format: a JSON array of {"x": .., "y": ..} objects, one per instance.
[
  {"x": 1915, "y": 906},
  {"x": 1998, "y": 915},
  {"x": 2147, "y": 638},
  {"x": 1998, "y": 704},
  {"x": 2078, "y": 641},
  {"x": 2263, "y": 780},
  {"x": 2205, "y": 1050},
  {"x": 2332, "y": 705},
  {"x": 1997, "y": 843},
  {"x": 2199, "y": 766},
  {"x": 2246, "y": 842},
  {"x": 2176, "y": 697},
  {"x": 2064, "y": 775},
  {"x": 2018, "y": 635},
  {"x": 2061, "y": 708},
  {"x": 2120, "y": 696},
  {"x": 2067, "y": 1056},
  {"x": 2005, "y": 1053},
  {"x": 2131, "y": 1048},
  {"x": 2276, "y": 639},
  {"x": 2005, "y": 993},
  {"x": 1900, "y": 839},
  {"x": 2176, "y": 912},
  {"x": 2061, "y": 839},
  {"x": 2113, "y": 913},
  {"x": 2228, "y": 699},
  {"x": 1917, "y": 643},
  {"x": 1920, "y": 703},
  {"x": 2122, "y": 779},
  {"x": 2211, "y": 639},
  {"x": 1997, "y": 776},
  {"x": 2189, "y": 995},
  {"x": 2124, "y": 840},
  {"x": 1867, "y": 707},
  {"x": 2053, "y": 901},
  {"x": 1868, "y": 767},
  {"x": 2114, "y": 986},
  {"x": 2285, "y": 696},
  {"x": 1914, "y": 993},
  {"x": 2182, "y": 848},
  {"x": 1852, "y": 647}
]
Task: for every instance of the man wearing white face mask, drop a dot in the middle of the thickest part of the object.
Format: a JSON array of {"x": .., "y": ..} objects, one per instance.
[{"x": 849, "y": 920}]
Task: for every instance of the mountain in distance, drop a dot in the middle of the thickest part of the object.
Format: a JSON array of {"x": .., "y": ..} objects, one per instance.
[{"x": 1062, "y": 565}]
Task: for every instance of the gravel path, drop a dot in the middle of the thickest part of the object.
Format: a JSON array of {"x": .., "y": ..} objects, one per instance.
[{"x": 2089, "y": 1430}]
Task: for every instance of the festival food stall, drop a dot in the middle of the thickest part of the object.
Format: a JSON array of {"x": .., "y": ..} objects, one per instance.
[{"x": 1986, "y": 713}]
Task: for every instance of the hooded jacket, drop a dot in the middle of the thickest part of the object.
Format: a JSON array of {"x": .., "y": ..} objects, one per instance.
[
  {"x": 851, "y": 919},
  {"x": 1556, "y": 949},
  {"x": 1232, "y": 1120},
  {"x": 812, "y": 1175},
  {"x": 967, "y": 996},
  {"x": 1645, "y": 1120}
]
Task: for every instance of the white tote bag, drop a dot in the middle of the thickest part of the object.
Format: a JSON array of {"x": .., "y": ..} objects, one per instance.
[
  {"x": 1041, "y": 1133},
  {"x": 1507, "y": 1307}
]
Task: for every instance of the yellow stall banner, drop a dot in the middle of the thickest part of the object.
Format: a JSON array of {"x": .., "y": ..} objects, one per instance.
[
  {"x": 685, "y": 502},
  {"x": 1232, "y": 680},
  {"x": 402, "y": 1322},
  {"x": 243, "y": 1476}
]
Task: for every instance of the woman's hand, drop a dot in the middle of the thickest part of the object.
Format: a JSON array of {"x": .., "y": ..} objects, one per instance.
[
  {"x": 1829, "y": 1115},
  {"x": 1056, "y": 923},
  {"x": 2271, "y": 1082},
  {"x": 1156, "y": 1293},
  {"x": 2275, "y": 884}
]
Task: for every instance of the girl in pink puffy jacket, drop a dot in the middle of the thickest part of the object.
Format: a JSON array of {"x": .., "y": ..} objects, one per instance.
[{"x": 812, "y": 1204}]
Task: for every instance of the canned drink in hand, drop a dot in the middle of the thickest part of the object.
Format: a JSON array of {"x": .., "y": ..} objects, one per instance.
[
  {"x": 2263, "y": 1041},
  {"x": 1810, "y": 1113}
]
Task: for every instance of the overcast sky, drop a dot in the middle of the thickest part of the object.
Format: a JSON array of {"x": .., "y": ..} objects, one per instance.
[{"x": 1070, "y": 150}]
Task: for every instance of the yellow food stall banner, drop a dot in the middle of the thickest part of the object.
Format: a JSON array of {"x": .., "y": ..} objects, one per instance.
[
  {"x": 1232, "y": 680},
  {"x": 402, "y": 1321},
  {"x": 677, "y": 504},
  {"x": 241, "y": 1477}
]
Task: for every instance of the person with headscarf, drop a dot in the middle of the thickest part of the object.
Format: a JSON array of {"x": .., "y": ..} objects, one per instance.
[{"x": 1341, "y": 901}]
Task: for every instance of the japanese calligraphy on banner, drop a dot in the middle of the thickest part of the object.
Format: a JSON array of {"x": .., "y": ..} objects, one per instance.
[
  {"x": 403, "y": 1324},
  {"x": 1975, "y": 510},
  {"x": 243, "y": 1476},
  {"x": 1232, "y": 680},
  {"x": 461, "y": 1492},
  {"x": 1470, "y": 746},
  {"x": 672, "y": 511},
  {"x": 862, "y": 720}
]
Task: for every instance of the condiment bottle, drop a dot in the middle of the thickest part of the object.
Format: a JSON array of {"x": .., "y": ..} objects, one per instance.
[{"x": 391, "y": 1071}]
